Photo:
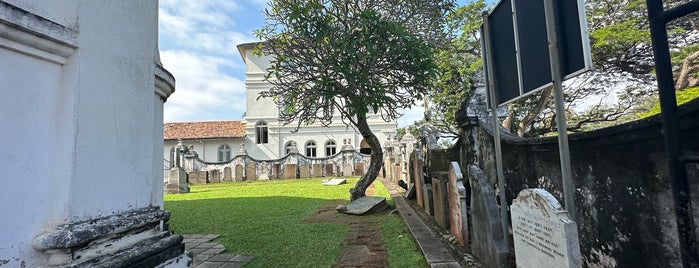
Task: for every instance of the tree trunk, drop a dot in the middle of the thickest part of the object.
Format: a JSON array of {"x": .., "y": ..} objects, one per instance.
[
  {"x": 538, "y": 107},
  {"x": 359, "y": 189}
]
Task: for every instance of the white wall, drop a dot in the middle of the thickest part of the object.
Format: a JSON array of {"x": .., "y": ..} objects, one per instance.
[
  {"x": 207, "y": 148},
  {"x": 79, "y": 135}
]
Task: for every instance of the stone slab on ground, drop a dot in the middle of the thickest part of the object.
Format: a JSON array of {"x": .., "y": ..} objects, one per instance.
[
  {"x": 334, "y": 181},
  {"x": 366, "y": 204},
  {"x": 208, "y": 254}
]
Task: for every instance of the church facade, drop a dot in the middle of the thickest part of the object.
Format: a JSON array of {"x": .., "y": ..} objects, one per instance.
[{"x": 261, "y": 133}]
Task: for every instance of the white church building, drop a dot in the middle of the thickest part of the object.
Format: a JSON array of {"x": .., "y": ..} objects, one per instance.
[{"x": 261, "y": 133}]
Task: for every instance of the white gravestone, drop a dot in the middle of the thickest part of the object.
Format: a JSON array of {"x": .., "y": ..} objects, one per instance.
[{"x": 544, "y": 235}]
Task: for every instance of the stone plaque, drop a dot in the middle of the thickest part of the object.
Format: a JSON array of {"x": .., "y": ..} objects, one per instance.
[
  {"x": 329, "y": 170},
  {"x": 488, "y": 241},
  {"x": 439, "y": 193},
  {"x": 238, "y": 173},
  {"x": 197, "y": 177},
  {"x": 358, "y": 169},
  {"x": 227, "y": 174},
  {"x": 250, "y": 172},
  {"x": 214, "y": 176},
  {"x": 263, "y": 171},
  {"x": 544, "y": 235},
  {"x": 458, "y": 216},
  {"x": 317, "y": 171},
  {"x": 304, "y": 171},
  {"x": 290, "y": 171},
  {"x": 346, "y": 170},
  {"x": 334, "y": 181}
]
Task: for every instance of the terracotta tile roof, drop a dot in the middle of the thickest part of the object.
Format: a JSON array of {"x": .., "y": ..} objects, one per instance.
[{"x": 203, "y": 130}]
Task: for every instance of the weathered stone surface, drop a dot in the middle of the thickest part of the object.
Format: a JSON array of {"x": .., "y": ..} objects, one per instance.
[
  {"x": 358, "y": 169},
  {"x": 198, "y": 177},
  {"x": 417, "y": 178},
  {"x": 250, "y": 172},
  {"x": 458, "y": 214},
  {"x": 439, "y": 193},
  {"x": 366, "y": 204},
  {"x": 329, "y": 170},
  {"x": 277, "y": 171},
  {"x": 304, "y": 171},
  {"x": 396, "y": 172},
  {"x": 544, "y": 235},
  {"x": 488, "y": 241},
  {"x": 227, "y": 174},
  {"x": 290, "y": 171},
  {"x": 346, "y": 170},
  {"x": 334, "y": 181},
  {"x": 317, "y": 171},
  {"x": 214, "y": 176},
  {"x": 263, "y": 171},
  {"x": 427, "y": 199},
  {"x": 238, "y": 173},
  {"x": 177, "y": 182}
]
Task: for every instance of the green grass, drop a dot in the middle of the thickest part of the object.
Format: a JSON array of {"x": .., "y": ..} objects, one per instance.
[{"x": 265, "y": 220}]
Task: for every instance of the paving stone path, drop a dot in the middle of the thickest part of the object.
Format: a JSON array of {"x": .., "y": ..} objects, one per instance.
[{"x": 207, "y": 254}]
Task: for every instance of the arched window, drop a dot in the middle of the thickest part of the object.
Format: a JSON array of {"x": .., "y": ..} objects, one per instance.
[
  {"x": 261, "y": 132},
  {"x": 291, "y": 147},
  {"x": 172, "y": 158},
  {"x": 311, "y": 149},
  {"x": 224, "y": 152},
  {"x": 330, "y": 148}
]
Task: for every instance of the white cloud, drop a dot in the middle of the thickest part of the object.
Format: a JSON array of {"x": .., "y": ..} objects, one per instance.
[
  {"x": 203, "y": 91},
  {"x": 411, "y": 115}
]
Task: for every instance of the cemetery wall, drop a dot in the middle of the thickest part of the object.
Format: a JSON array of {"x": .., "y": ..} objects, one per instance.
[{"x": 622, "y": 187}]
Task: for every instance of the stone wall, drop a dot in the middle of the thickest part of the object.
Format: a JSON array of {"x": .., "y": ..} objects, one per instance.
[{"x": 622, "y": 187}]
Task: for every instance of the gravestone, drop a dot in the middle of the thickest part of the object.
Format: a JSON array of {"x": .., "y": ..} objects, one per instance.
[
  {"x": 304, "y": 171},
  {"x": 428, "y": 200},
  {"x": 263, "y": 171},
  {"x": 396, "y": 172},
  {"x": 227, "y": 176},
  {"x": 214, "y": 176},
  {"x": 346, "y": 170},
  {"x": 334, "y": 181},
  {"x": 177, "y": 182},
  {"x": 276, "y": 171},
  {"x": 329, "y": 170},
  {"x": 488, "y": 241},
  {"x": 197, "y": 177},
  {"x": 317, "y": 171},
  {"x": 290, "y": 171},
  {"x": 439, "y": 194},
  {"x": 544, "y": 235},
  {"x": 238, "y": 173},
  {"x": 418, "y": 180},
  {"x": 364, "y": 205},
  {"x": 458, "y": 214},
  {"x": 358, "y": 169},
  {"x": 250, "y": 172}
]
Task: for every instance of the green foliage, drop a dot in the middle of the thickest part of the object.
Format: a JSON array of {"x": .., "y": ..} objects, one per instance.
[
  {"x": 682, "y": 96},
  {"x": 351, "y": 57},
  {"x": 456, "y": 62},
  {"x": 265, "y": 220}
]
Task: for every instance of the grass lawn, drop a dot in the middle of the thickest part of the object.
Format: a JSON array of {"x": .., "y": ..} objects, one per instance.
[{"x": 265, "y": 220}]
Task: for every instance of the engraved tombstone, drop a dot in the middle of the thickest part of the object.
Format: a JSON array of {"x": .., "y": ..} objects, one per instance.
[
  {"x": 418, "y": 180},
  {"x": 544, "y": 235},
  {"x": 250, "y": 172},
  {"x": 458, "y": 216},
  {"x": 290, "y": 171},
  {"x": 276, "y": 171},
  {"x": 198, "y": 177},
  {"x": 346, "y": 170},
  {"x": 214, "y": 176},
  {"x": 317, "y": 170},
  {"x": 305, "y": 171},
  {"x": 227, "y": 176},
  {"x": 359, "y": 169},
  {"x": 439, "y": 195},
  {"x": 238, "y": 173},
  {"x": 263, "y": 171}
]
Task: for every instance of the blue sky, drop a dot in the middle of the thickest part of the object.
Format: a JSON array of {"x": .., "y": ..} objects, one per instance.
[{"x": 198, "y": 42}]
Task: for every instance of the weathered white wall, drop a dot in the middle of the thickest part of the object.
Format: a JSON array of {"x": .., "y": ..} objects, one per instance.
[
  {"x": 264, "y": 109},
  {"x": 80, "y": 136},
  {"x": 207, "y": 148}
]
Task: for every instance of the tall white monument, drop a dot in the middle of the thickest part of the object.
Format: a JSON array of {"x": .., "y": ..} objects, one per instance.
[{"x": 81, "y": 99}]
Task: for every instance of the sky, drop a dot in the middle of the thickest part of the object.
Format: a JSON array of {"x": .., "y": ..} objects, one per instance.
[{"x": 197, "y": 42}]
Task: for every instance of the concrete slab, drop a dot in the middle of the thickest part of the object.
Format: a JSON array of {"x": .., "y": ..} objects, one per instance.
[
  {"x": 334, "y": 181},
  {"x": 366, "y": 204}
]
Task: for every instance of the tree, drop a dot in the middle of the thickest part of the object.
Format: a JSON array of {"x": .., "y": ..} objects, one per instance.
[
  {"x": 351, "y": 57},
  {"x": 457, "y": 60}
]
